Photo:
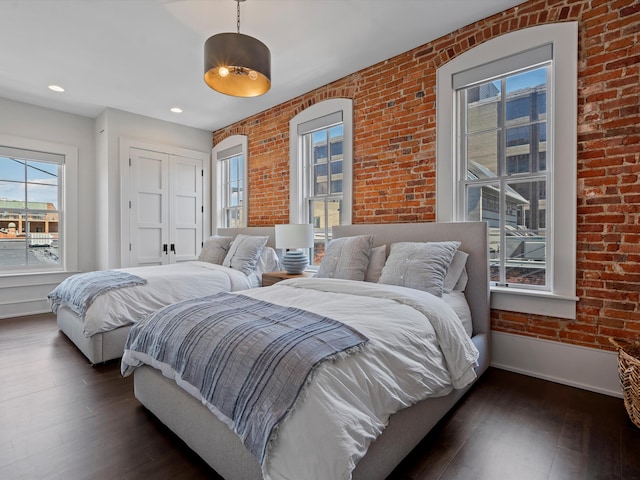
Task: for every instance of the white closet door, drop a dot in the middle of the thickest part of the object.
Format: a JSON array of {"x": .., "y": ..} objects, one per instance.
[
  {"x": 186, "y": 208},
  {"x": 149, "y": 209}
]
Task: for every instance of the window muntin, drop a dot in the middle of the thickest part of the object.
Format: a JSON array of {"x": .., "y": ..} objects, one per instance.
[
  {"x": 503, "y": 128},
  {"x": 322, "y": 155},
  {"x": 233, "y": 194},
  {"x": 331, "y": 207},
  {"x": 230, "y": 183},
  {"x": 30, "y": 215}
]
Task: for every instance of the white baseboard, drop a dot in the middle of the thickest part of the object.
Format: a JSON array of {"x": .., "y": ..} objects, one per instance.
[
  {"x": 587, "y": 368},
  {"x": 23, "y": 308}
]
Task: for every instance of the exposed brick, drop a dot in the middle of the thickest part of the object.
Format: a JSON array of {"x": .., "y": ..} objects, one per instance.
[{"x": 394, "y": 155}]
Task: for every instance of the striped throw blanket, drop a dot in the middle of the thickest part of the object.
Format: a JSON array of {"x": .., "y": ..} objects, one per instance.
[
  {"x": 248, "y": 358},
  {"x": 79, "y": 291}
]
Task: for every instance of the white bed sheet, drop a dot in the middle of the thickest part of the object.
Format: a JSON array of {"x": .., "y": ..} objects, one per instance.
[
  {"x": 166, "y": 284},
  {"x": 417, "y": 348}
]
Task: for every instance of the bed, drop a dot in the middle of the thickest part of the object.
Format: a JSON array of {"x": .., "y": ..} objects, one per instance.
[
  {"x": 101, "y": 332},
  {"x": 209, "y": 437}
]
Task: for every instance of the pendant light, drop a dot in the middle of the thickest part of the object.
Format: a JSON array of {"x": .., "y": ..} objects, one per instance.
[{"x": 237, "y": 64}]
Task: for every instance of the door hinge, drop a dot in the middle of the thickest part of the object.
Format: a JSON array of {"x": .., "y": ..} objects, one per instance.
[
  {"x": 129, "y": 203},
  {"x": 202, "y": 209},
  {"x": 129, "y": 247},
  {"x": 129, "y": 162},
  {"x": 202, "y": 173}
]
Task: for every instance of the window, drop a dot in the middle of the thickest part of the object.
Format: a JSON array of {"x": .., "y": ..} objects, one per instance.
[
  {"x": 506, "y": 133},
  {"x": 320, "y": 168},
  {"x": 38, "y": 206},
  {"x": 230, "y": 181}
]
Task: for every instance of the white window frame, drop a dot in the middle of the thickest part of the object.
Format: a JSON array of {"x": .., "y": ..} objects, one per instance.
[
  {"x": 561, "y": 300},
  {"x": 240, "y": 144},
  {"x": 68, "y": 208},
  {"x": 298, "y": 209}
]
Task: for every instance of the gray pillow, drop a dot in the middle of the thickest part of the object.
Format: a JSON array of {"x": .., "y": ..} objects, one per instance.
[
  {"x": 419, "y": 265},
  {"x": 244, "y": 253},
  {"x": 455, "y": 271},
  {"x": 215, "y": 249},
  {"x": 346, "y": 258},
  {"x": 376, "y": 263}
]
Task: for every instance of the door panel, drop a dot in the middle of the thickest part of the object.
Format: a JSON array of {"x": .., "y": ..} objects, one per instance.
[
  {"x": 149, "y": 210},
  {"x": 186, "y": 207}
]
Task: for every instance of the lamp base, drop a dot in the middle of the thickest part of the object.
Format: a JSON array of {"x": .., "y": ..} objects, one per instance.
[{"x": 294, "y": 262}]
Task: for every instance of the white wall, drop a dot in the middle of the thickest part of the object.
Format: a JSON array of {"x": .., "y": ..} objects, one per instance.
[
  {"x": 24, "y": 294},
  {"x": 98, "y": 185},
  {"x": 114, "y": 125}
]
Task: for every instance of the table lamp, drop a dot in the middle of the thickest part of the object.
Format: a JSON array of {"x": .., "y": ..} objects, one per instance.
[{"x": 290, "y": 238}]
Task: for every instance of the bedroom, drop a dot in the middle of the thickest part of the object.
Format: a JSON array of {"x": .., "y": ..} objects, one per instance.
[{"x": 571, "y": 352}]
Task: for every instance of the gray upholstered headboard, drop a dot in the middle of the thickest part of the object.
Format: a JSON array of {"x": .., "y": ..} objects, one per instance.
[
  {"x": 258, "y": 231},
  {"x": 473, "y": 238}
]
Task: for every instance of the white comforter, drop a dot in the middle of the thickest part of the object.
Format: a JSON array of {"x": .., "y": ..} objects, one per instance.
[
  {"x": 166, "y": 284},
  {"x": 417, "y": 348}
]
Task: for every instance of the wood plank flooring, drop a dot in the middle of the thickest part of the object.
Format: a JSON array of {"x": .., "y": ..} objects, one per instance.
[{"x": 60, "y": 418}]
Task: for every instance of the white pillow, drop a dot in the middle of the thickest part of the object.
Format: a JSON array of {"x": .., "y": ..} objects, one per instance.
[
  {"x": 376, "y": 264},
  {"x": 419, "y": 265},
  {"x": 346, "y": 258},
  {"x": 244, "y": 253},
  {"x": 215, "y": 249},
  {"x": 455, "y": 271},
  {"x": 458, "y": 302},
  {"x": 268, "y": 262}
]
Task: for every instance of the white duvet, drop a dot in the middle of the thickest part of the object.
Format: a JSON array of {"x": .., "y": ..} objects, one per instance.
[
  {"x": 166, "y": 284},
  {"x": 417, "y": 348}
]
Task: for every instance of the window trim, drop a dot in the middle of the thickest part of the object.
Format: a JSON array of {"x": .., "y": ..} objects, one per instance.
[
  {"x": 233, "y": 141},
  {"x": 561, "y": 301},
  {"x": 68, "y": 210},
  {"x": 297, "y": 208}
]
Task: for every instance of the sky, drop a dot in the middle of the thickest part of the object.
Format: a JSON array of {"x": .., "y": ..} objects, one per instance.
[{"x": 42, "y": 178}]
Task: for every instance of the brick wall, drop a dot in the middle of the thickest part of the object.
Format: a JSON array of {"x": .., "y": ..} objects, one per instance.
[{"x": 394, "y": 155}]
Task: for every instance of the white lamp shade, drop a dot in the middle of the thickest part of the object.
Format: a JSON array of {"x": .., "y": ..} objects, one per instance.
[{"x": 294, "y": 236}]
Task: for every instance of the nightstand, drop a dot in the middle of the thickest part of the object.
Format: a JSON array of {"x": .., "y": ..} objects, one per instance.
[{"x": 271, "y": 278}]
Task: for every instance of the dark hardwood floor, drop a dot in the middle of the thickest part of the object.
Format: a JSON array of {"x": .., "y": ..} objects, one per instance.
[{"x": 60, "y": 418}]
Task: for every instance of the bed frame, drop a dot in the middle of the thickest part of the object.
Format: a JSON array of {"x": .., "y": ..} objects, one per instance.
[
  {"x": 105, "y": 346},
  {"x": 222, "y": 449}
]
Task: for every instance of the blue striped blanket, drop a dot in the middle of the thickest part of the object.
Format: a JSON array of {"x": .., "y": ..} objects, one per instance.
[
  {"x": 248, "y": 358},
  {"x": 79, "y": 291}
]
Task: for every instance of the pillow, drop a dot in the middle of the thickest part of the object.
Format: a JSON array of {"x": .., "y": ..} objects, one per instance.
[
  {"x": 376, "y": 262},
  {"x": 268, "y": 262},
  {"x": 458, "y": 302},
  {"x": 455, "y": 271},
  {"x": 419, "y": 265},
  {"x": 244, "y": 253},
  {"x": 215, "y": 249},
  {"x": 346, "y": 258}
]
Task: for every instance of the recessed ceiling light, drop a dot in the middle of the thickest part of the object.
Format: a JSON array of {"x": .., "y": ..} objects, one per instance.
[
  {"x": 176, "y": 110},
  {"x": 56, "y": 88}
]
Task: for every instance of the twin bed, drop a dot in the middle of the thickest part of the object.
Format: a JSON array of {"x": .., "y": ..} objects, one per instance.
[
  {"x": 407, "y": 358},
  {"x": 100, "y": 332}
]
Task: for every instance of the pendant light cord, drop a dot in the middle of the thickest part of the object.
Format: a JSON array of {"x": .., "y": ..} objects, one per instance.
[{"x": 238, "y": 2}]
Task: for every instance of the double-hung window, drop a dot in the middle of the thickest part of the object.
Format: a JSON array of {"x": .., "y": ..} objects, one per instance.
[
  {"x": 30, "y": 210},
  {"x": 321, "y": 170},
  {"x": 230, "y": 182},
  {"x": 506, "y": 133}
]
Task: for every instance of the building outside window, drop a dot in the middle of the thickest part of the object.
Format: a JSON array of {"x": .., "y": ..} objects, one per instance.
[
  {"x": 30, "y": 199},
  {"x": 503, "y": 134},
  {"x": 230, "y": 182},
  {"x": 322, "y": 153},
  {"x": 321, "y": 170}
]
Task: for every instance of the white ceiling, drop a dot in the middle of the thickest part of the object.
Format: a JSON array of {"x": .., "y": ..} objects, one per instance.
[{"x": 146, "y": 56}]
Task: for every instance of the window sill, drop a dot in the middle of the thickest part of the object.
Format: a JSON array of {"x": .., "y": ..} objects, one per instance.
[{"x": 535, "y": 302}]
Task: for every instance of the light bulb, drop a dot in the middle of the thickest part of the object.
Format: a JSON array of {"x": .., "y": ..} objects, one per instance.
[
  {"x": 223, "y": 71},
  {"x": 253, "y": 75}
]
